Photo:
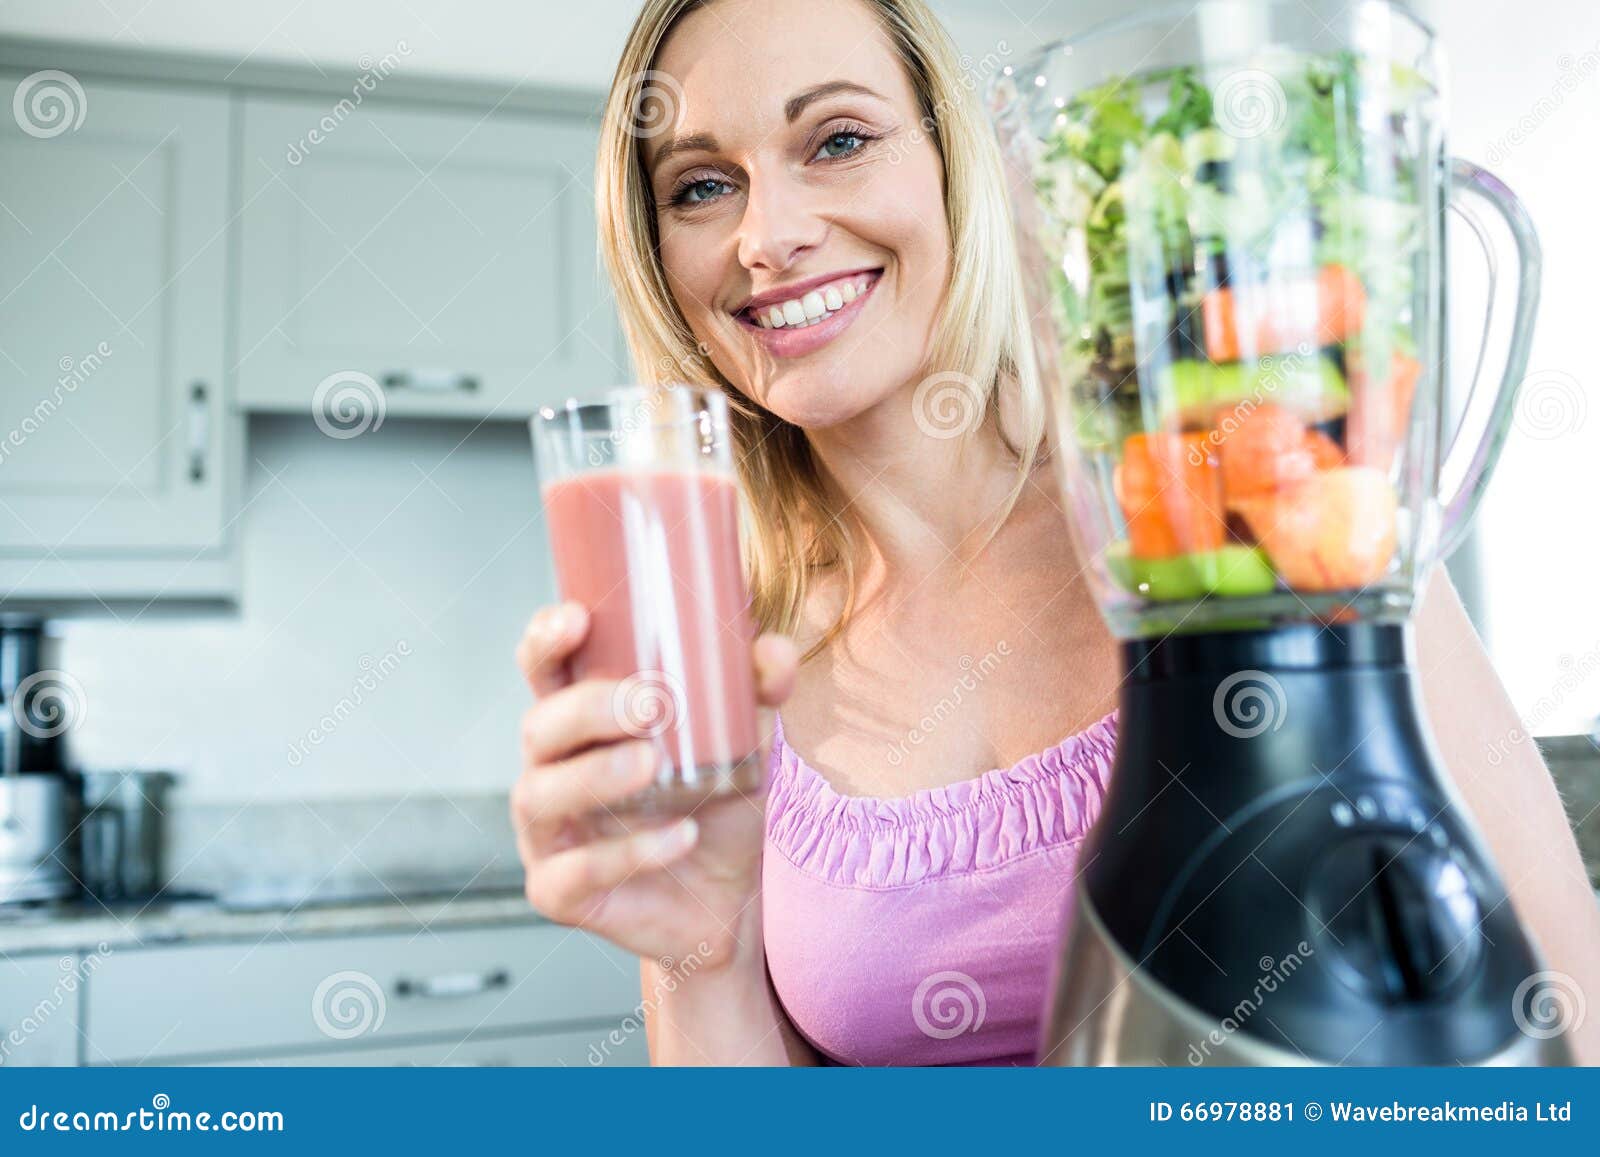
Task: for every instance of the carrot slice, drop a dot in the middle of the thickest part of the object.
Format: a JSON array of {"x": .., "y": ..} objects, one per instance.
[
  {"x": 1283, "y": 315},
  {"x": 1380, "y": 412},
  {"x": 1170, "y": 489}
]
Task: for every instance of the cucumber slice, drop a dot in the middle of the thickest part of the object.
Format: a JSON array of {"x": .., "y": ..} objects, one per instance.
[
  {"x": 1192, "y": 391},
  {"x": 1231, "y": 571}
]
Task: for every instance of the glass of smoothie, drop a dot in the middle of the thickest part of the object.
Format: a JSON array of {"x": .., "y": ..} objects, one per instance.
[{"x": 642, "y": 502}]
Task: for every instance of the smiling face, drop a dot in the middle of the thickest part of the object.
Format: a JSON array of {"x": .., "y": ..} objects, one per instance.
[{"x": 800, "y": 205}]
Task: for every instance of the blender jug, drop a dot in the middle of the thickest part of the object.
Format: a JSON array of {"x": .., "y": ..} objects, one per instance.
[{"x": 1230, "y": 218}]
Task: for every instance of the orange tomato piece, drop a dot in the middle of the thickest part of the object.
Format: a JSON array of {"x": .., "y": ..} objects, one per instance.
[
  {"x": 1333, "y": 530},
  {"x": 1170, "y": 489},
  {"x": 1262, "y": 450}
]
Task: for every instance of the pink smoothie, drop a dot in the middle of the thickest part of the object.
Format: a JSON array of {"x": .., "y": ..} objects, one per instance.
[{"x": 654, "y": 555}]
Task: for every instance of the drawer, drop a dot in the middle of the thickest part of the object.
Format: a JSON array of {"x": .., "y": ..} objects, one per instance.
[
  {"x": 573, "y": 1049},
  {"x": 39, "y": 1001},
  {"x": 362, "y": 991}
]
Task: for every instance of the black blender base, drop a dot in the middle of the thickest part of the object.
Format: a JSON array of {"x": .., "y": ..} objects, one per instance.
[{"x": 1281, "y": 875}]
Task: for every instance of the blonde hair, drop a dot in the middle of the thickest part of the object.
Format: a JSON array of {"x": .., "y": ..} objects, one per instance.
[{"x": 982, "y": 334}]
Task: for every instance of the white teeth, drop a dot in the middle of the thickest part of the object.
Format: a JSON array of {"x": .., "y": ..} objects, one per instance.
[{"x": 813, "y": 306}]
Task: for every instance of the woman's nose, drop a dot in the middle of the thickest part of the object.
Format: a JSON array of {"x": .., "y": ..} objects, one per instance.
[{"x": 778, "y": 226}]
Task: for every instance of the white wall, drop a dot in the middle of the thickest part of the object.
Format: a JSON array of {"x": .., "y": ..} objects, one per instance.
[{"x": 419, "y": 538}]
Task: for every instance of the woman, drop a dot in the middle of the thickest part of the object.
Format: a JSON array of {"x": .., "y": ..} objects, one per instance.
[{"x": 835, "y": 149}]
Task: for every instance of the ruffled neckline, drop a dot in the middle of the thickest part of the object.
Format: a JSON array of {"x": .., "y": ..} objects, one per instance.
[{"x": 1046, "y": 799}]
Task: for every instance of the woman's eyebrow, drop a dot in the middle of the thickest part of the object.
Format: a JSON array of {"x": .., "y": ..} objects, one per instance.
[
  {"x": 694, "y": 143},
  {"x": 797, "y": 104}
]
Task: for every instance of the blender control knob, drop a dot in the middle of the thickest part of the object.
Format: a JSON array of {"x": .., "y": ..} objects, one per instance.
[{"x": 1398, "y": 920}]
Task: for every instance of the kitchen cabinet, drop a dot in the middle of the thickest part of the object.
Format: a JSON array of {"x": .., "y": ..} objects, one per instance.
[
  {"x": 39, "y": 999},
  {"x": 347, "y": 999},
  {"x": 118, "y": 463},
  {"x": 593, "y": 1047},
  {"x": 400, "y": 260}
]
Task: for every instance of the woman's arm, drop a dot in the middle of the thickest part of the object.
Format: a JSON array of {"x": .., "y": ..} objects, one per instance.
[
  {"x": 1515, "y": 802},
  {"x": 709, "y": 1014}
]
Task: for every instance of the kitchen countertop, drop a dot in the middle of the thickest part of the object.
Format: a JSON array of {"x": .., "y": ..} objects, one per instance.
[{"x": 83, "y": 928}]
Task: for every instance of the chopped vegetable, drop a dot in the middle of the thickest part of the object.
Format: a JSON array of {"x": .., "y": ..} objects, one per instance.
[
  {"x": 1261, "y": 452},
  {"x": 1231, "y": 570},
  {"x": 1380, "y": 413},
  {"x": 1334, "y": 530},
  {"x": 1170, "y": 490},
  {"x": 1281, "y": 316},
  {"x": 1196, "y": 392}
]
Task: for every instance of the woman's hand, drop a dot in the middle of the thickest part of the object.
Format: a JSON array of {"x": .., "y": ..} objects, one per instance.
[{"x": 659, "y": 890}]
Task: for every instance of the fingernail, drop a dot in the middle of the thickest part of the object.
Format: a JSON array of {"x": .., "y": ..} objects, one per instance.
[{"x": 674, "y": 839}]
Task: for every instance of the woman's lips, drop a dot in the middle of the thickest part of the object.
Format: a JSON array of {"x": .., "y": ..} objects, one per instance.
[{"x": 798, "y": 342}]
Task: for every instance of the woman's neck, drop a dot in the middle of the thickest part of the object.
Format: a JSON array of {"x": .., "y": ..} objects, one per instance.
[{"x": 918, "y": 497}]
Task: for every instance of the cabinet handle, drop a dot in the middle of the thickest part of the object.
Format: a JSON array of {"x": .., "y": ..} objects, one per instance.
[
  {"x": 454, "y": 984},
  {"x": 431, "y": 381},
  {"x": 199, "y": 431}
]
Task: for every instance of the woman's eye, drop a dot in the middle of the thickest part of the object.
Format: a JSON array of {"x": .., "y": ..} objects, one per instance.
[
  {"x": 839, "y": 144},
  {"x": 699, "y": 192}
]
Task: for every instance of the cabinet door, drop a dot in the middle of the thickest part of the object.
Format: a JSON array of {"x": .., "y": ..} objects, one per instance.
[
  {"x": 113, "y": 242},
  {"x": 621, "y": 1045},
  {"x": 39, "y": 998},
  {"x": 406, "y": 261}
]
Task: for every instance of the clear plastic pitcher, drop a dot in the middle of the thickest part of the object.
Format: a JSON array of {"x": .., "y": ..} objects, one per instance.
[{"x": 1231, "y": 221}]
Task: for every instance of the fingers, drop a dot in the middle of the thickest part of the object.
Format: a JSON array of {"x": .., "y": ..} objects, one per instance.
[
  {"x": 571, "y": 718},
  {"x": 570, "y": 886},
  {"x": 548, "y": 795},
  {"x": 552, "y": 635},
  {"x": 777, "y": 659}
]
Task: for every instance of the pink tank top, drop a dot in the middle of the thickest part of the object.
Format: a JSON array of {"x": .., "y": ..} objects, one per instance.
[{"x": 922, "y": 930}]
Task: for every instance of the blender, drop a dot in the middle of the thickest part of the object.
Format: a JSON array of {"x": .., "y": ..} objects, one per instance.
[{"x": 1230, "y": 217}]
